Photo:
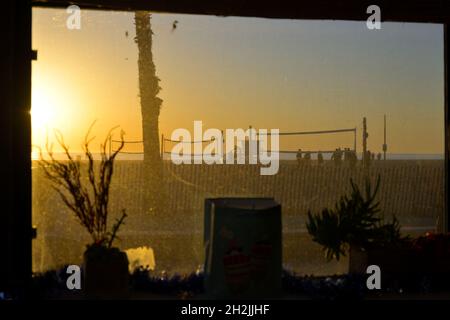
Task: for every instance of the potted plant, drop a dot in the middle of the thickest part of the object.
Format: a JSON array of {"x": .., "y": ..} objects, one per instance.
[
  {"x": 355, "y": 226},
  {"x": 433, "y": 256},
  {"x": 84, "y": 188}
]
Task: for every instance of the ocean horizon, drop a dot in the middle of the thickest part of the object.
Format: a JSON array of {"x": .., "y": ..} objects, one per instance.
[{"x": 284, "y": 157}]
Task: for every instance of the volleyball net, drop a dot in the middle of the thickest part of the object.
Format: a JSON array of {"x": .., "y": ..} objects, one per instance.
[{"x": 167, "y": 144}]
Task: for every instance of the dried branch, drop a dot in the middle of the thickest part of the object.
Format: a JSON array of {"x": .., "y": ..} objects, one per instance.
[{"x": 87, "y": 198}]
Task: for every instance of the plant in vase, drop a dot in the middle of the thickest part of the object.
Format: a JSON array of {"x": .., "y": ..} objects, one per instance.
[
  {"x": 433, "y": 256},
  {"x": 355, "y": 225},
  {"x": 85, "y": 189}
]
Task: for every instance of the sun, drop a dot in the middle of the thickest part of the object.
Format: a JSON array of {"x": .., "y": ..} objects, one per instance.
[
  {"x": 43, "y": 110},
  {"x": 45, "y": 115}
]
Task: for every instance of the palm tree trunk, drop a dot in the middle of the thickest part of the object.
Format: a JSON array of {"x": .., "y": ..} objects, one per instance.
[{"x": 150, "y": 109}]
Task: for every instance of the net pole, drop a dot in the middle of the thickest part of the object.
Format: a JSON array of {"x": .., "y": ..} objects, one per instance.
[
  {"x": 365, "y": 135},
  {"x": 384, "y": 145},
  {"x": 162, "y": 146}
]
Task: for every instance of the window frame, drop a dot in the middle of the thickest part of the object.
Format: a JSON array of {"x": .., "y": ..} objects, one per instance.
[{"x": 15, "y": 92}]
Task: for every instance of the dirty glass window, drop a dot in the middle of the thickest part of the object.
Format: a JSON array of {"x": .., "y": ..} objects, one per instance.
[{"x": 314, "y": 81}]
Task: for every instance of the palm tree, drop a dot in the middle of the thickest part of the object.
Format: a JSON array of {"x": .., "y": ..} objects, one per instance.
[{"x": 150, "y": 109}]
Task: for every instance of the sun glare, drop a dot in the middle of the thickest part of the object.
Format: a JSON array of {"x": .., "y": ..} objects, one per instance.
[
  {"x": 45, "y": 115},
  {"x": 43, "y": 109}
]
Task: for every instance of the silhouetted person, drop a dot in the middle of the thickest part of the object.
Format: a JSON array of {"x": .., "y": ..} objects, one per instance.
[
  {"x": 346, "y": 155},
  {"x": 337, "y": 157},
  {"x": 319, "y": 158},
  {"x": 299, "y": 156},
  {"x": 307, "y": 157},
  {"x": 379, "y": 156},
  {"x": 236, "y": 153},
  {"x": 353, "y": 159},
  {"x": 368, "y": 157}
]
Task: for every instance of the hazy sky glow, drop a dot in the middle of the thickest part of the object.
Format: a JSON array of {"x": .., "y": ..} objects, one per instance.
[{"x": 234, "y": 72}]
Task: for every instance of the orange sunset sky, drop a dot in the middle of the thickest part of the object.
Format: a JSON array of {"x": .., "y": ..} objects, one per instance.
[{"x": 235, "y": 72}]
